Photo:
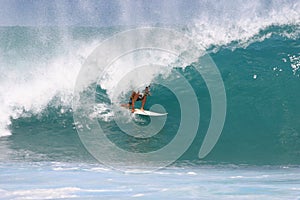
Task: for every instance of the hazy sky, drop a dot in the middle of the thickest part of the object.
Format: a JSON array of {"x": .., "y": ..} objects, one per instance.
[{"x": 96, "y": 12}]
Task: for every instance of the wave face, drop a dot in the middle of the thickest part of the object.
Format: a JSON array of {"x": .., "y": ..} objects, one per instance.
[{"x": 256, "y": 50}]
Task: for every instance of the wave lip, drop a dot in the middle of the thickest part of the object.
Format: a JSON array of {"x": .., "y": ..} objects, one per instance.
[{"x": 243, "y": 23}]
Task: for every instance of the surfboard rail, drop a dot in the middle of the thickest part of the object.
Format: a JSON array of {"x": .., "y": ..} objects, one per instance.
[{"x": 148, "y": 113}]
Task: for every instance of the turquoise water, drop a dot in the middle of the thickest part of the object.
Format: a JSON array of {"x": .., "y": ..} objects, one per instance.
[
  {"x": 261, "y": 83},
  {"x": 82, "y": 181},
  {"x": 256, "y": 156}
]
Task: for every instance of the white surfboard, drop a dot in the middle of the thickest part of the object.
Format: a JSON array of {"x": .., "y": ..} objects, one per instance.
[{"x": 148, "y": 113}]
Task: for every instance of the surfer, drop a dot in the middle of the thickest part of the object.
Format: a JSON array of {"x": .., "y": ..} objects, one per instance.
[{"x": 137, "y": 96}]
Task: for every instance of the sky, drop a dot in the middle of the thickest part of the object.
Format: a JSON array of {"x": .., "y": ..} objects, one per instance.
[
  {"x": 96, "y": 12},
  {"x": 135, "y": 12}
]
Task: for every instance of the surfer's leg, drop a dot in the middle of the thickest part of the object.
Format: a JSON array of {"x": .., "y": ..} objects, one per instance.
[
  {"x": 135, "y": 96},
  {"x": 143, "y": 102},
  {"x": 130, "y": 100}
]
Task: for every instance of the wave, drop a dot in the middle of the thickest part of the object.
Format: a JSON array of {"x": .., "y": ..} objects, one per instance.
[
  {"x": 34, "y": 74},
  {"x": 258, "y": 41}
]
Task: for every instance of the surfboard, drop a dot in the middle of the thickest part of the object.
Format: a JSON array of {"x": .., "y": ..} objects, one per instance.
[{"x": 148, "y": 113}]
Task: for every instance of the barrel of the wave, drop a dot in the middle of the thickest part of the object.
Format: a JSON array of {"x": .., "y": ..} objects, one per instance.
[{"x": 150, "y": 41}]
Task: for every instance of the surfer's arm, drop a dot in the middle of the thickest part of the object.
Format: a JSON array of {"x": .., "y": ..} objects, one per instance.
[{"x": 146, "y": 93}]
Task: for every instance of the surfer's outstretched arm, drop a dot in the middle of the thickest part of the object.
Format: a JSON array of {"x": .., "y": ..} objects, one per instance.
[{"x": 126, "y": 105}]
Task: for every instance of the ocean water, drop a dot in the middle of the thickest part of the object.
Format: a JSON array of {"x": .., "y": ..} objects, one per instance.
[{"x": 257, "y": 53}]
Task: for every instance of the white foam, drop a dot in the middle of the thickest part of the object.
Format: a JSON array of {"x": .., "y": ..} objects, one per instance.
[
  {"x": 223, "y": 22},
  {"x": 134, "y": 71},
  {"x": 55, "y": 193},
  {"x": 191, "y": 173},
  {"x": 138, "y": 195},
  {"x": 28, "y": 91},
  {"x": 295, "y": 62},
  {"x": 102, "y": 111}
]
